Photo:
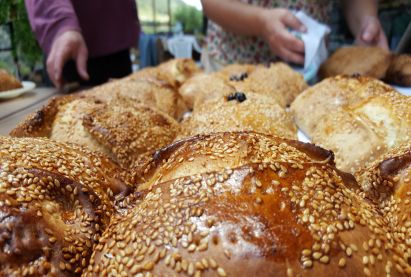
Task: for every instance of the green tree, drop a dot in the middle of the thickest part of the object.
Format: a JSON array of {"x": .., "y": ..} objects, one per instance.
[
  {"x": 190, "y": 17},
  {"x": 13, "y": 13}
]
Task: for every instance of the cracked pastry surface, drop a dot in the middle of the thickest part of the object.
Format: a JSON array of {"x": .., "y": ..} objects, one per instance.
[{"x": 358, "y": 118}]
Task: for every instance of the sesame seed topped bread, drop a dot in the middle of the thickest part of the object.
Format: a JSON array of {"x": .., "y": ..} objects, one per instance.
[
  {"x": 284, "y": 210},
  {"x": 388, "y": 176},
  {"x": 120, "y": 187},
  {"x": 358, "y": 118},
  {"x": 130, "y": 131},
  {"x": 368, "y": 61},
  {"x": 153, "y": 94},
  {"x": 122, "y": 130},
  {"x": 174, "y": 72},
  {"x": 123, "y": 119},
  {"x": 240, "y": 112},
  {"x": 237, "y": 72},
  {"x": 55, "y": 201},
  {"x": 217, "y": 151},
  {"x": 8, "y": 81},
  {"x": 387, "y": 182},
  {"x": 278, "y": 81},
  {"x": 40, "y": 122},
  {"x": 202, "y": 87}
]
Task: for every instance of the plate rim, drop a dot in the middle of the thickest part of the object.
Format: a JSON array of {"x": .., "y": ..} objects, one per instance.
[{"x": 27, "y": 86}]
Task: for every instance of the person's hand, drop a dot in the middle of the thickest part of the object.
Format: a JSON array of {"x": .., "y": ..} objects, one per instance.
[
  {"x": 68, "y": 45},
  {"x": 275, "y": 25},
  {"x": 371, "y": 33}
]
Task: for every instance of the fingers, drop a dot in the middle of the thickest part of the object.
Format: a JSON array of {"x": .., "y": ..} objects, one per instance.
[
  {"x": 81, "y": 62},
  {"x": 291, "y": 21},
  {"x": 61, "y": 57},
  {"x": 55, "y": 62},
  {"x": 370, "y": 32},
  {"x": 288, "y": 47},
  {"x": 291, "y": 56},
  {"x": 50, "y": 67},
  {"x": 291, "y": 42},
  {"x": 69, "y": 45}
]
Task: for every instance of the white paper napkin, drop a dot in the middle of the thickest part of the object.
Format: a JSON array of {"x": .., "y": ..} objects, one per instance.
[{"x": 314, "y": 42}]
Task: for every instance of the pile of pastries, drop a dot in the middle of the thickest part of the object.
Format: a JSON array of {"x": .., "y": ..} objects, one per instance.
[{"x": 173, "y": 171}]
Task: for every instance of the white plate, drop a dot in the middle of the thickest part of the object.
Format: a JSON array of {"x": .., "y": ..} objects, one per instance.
[
  {"x": 403, "y": 90},
  {"x": 27, "y": 86},
  {"x": 302, "y": 137}
]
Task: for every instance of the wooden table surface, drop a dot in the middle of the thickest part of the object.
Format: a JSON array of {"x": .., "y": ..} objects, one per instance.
[{"x": 14, "y": 110}]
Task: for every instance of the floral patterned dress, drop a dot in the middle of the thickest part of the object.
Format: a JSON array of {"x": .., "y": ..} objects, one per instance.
[{"x": 226, "y": 47}]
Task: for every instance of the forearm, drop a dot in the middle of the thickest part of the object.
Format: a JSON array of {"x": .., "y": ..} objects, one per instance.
[
  {"x": 50, "y": 18},
  {"x": 356, "y": 11},
  {"x": 235, "y": 16}
]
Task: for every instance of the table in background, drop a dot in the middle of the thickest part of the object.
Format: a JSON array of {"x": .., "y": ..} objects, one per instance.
[{"x": 13, "y": 111}]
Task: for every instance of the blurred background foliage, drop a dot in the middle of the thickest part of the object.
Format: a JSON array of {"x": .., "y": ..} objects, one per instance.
[
  {"x": 16, "y": 38},
  {"x": 190, "y": 17},
  {"x": 18, "y": 43}
]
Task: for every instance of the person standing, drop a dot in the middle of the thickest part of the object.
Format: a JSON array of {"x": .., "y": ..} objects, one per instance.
[
  {"x": 257, "y": 31},
  {"x": 85, "y": 41}
]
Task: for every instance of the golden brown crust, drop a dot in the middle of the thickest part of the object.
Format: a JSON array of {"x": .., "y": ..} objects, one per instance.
[
  {"x": 369, "y": 61},
  {"x": 399, "y": 71},
  {"x": 237, "y": 72},
  {"x": 68, "y": 124},
  {"x": 174, "y": 72},
  {"x": 358, "y": 118},
  {"x": 278, "y": 81},
  {"x": 8, "y": 81},
  {"x": 55, "y": 201},
  {"x": 279, "y": 213},
  {"x": 203, "y": 87},
  {"x": 152, "y": 94},
  {"x": 39, "y": 123},
  {"x": 130, "y": 131},
  {"x": 387, "y": 182},
  {"x": 192, "y": 155},
  {"x": 240, "y": 112}
]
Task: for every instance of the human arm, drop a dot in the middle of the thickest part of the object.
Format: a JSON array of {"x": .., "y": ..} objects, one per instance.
[
  {"x": 270, "y": 24},
  {"x": 58, "y": 32},
  {"x": 362, "y": 19}
]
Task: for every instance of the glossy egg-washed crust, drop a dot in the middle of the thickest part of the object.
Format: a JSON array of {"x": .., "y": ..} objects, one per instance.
[
  {"x": 388, "y": 183},
  {"x": 264, "y": 206},
  {"x": 212, "y": 152},
  {"x": 55, "y": 201}
]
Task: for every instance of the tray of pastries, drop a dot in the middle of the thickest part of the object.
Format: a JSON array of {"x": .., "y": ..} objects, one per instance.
[{"x": 172, "y": 171}]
